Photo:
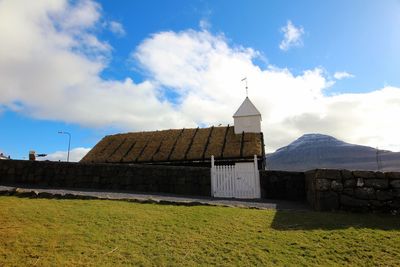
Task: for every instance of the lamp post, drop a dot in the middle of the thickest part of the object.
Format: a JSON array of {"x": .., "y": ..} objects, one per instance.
[{"x": 69, "y": 142}]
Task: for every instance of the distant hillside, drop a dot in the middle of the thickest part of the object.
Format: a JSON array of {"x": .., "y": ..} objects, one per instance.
[{"x": 323, "y": 151}]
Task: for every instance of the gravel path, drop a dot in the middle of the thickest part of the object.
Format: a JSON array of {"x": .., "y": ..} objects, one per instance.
[{"x": 153, "y": 198}]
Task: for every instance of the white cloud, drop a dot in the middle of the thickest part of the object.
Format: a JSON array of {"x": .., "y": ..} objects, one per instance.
[
  {"x": 50, "y": 65},
  {"x": 205, "y": 24},
  {"x": 292, "y": 36},
  {"x": 205, "y": 72},
  {"x": 116, "y": 28},
  {"x": 75, "y": 155},
  {"x": 48, "y": 71},
  {"x": 339, "y": 75}
]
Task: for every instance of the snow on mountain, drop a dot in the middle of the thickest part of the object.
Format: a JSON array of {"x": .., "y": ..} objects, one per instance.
[
  {"x": 312, "y": 151},
  {"x": 314, "y": 140}
]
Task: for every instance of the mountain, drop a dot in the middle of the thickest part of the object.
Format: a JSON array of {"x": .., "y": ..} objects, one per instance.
[{"x": 312, "y": 151}]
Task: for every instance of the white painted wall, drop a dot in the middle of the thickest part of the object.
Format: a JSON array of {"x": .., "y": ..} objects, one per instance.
[{"x": 247, "y": 124}]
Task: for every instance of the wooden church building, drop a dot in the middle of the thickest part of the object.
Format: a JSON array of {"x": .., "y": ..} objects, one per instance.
[{"x": 188, "y": 147}]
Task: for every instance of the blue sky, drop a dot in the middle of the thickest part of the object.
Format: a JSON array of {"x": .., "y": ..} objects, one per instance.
[
  {"x": 360, "y": 36},
  {"x": 101, "y": 67}
]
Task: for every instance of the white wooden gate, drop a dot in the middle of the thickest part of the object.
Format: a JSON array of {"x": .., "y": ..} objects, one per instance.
[{"x": 239, "y": 181}]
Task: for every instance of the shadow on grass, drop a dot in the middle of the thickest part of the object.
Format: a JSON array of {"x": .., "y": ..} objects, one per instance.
[{"x": 312, "y": 220}]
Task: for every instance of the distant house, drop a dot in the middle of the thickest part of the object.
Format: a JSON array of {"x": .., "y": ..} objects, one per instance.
[{"x": 188, "y": 147}]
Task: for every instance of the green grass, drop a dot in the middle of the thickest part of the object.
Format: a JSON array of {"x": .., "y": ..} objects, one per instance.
[{"x": 54, "y": 232}]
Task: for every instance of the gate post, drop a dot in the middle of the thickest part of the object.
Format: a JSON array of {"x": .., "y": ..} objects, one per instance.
[{"x": 257, "y": 178}]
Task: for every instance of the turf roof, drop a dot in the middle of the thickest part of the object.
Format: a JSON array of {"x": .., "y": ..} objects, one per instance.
[{"x": 177, "y": 145}]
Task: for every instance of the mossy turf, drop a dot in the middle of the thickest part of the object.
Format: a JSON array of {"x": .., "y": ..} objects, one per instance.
[{"x": 50, "y": 232}]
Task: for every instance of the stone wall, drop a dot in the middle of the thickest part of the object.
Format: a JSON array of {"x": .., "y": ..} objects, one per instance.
[
  {"x": 282, "y": 185},
  {"x": 324, "y": 189},
  {"x": 359, "y": 191},
  {"x": 138, "y": 178}
]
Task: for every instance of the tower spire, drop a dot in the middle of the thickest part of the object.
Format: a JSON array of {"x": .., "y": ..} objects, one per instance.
[{"x": 245, "y": 80}]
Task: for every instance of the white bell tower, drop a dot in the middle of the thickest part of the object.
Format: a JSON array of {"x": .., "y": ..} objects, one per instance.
[{"x": 247, "y": 118}]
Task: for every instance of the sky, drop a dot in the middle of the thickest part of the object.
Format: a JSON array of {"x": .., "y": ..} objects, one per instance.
[{"x": 93, "y": 68}]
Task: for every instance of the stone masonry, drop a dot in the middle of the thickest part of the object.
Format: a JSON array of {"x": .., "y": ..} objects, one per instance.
[
  {"x": 359, "y": 191},
  {"x": 138, "y": 178}
]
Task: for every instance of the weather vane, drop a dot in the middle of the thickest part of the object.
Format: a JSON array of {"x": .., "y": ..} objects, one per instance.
[{"x": 245, "y": 80}]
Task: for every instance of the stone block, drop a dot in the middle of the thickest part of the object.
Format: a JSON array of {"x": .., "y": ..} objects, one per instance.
[
  {"x": 163, "y": 188},
  {"x": 364, "y": 174},
  {"x": 115, "y": 187},
  {"x": 380, "y": 175},
  {"x": 205, "y": 180},
  {"x": 376, "y": 204},
  {"x": 395, "y": 204},
  {"x": 148, "y": 180},
  {"x": 69, "y": 183},
  {"x": 360, "y": 182},
  {"x": 322, "y": 184},
  {"x": 205, "y": 191},
  {"x": 336, "y": 186},
  {"x": 349, "y": 183},
  {"x": 395, "y": 183},
  {"x": 348, "y": 191},
  {"x": 392, "y": 175},
  {"x": 377, "y": 183},
  {"x": 384, "y": 195},
  {"x": 103, "y": 180},
  {"x": 45, "y": 195},
  {"x": 180, "y": 189},
  {"x": 24, "y": 193},
  {"x": 96, "y": 180},
  {"x": 152, "y": 188},
  {"x": 396, "y": 192},
  {"x": 310, "y": 174},
  {"x": 353, "y": 202},
  {"x": 138, "y": 180},
  {"x": 346, "y": 174},
  {"x": 328, "y": 174},
  {"x": 365, "y": 193}
]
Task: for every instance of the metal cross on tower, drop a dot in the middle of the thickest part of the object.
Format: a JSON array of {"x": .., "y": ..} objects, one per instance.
[{"x": 245, "y": 80}]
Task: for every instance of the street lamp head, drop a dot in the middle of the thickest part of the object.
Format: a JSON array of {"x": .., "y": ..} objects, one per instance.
[{"x": 69, "y": 142}]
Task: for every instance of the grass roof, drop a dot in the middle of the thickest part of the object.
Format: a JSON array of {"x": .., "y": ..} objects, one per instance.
[{"x": 176, "y": 145}]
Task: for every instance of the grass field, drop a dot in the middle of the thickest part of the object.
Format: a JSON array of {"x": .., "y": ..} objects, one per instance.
[{"x": 54, "y": 232}]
